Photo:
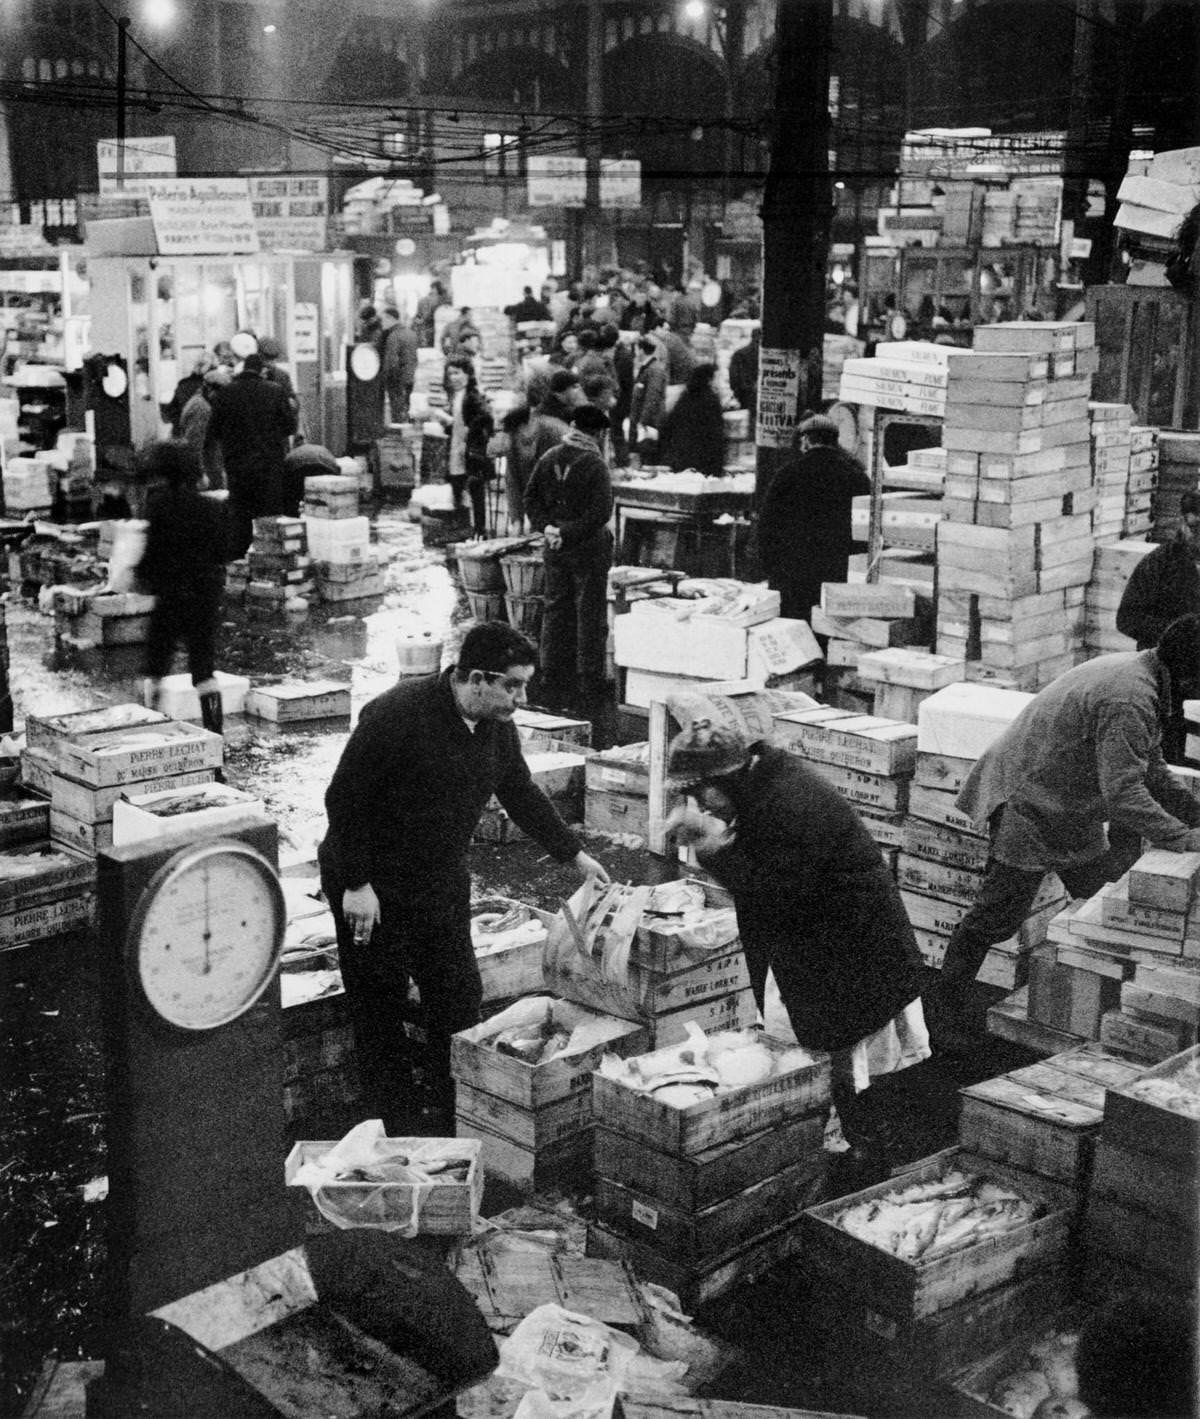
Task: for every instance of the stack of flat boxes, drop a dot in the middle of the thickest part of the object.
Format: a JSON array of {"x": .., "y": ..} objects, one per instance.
[
  {"x": 940, "y": 869},
  {"x": 1143, "y": 1206},
  {"x": 704, "y": 1197},
  {"x": 1110, "y": 426},
  {"x": 1142, "y": 492},
  {"x": 1114, "y": 564},
  {"x": 1015, "y": 551},
  {"x": 864, "y": 616},
  {"x": 339, "y": 541},
  {"x": 617, "y": 793},
  {"x": 1126, "y": 964},
  {"x": 84, "y": 768},
  {"x": 54, "y": 901},
  {"x": 277, "y": 564},
  {"x": 868, "y": 760},
  {"x": 908, "y": 376},
  {"x": 943, "y": 857}
]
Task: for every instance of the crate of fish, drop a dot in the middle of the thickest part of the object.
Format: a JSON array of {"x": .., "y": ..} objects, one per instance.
[
  {"x": 1159, "y": 1114},
  {"x": 45, "y": 890},
  {"x": 1034, "y": 1374},
  {"x": 508, "y": 938},
  {"x": 711, "y": 1088},
  {"x": 953, "y": 1226}
]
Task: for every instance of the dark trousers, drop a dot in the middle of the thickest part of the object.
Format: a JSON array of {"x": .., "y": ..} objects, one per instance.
[
  {"x": 1004, "y": 900},
  {"x": 426, "y": 941},
  {"x": 575, "y": 627},
  {"x": 251, "y": 495},
  {"x": 476, "y": 490},
  {"x": 192, "y": 619}
]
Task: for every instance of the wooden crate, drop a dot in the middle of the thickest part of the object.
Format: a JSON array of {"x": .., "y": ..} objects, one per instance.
[
  {"x": 696, "y": 1238},
  {"x": 621, "y": 814},
  {"x": 906, "y": 1290},
  {"x": 933, "y": 1347},
  {"x": 656, "y": 949},
  {"x": 968, "y": 1390},
  {"x": 689, "y": 1131},
  {"x": 291, "y": 703},
  {"x": 1149, "y": 1040},
  {"x": 88, "y": 838},
  {"x": 936, "y": 842},
  {"x": 511, "y": 971},
  {"x": 1141, "y": 1126},
  {"x": 507, "y": 1285},
  {"x": 567, "y": 1162},
  {"x": 536, "y": 1129},
  {"x": 95, "y": 805},
  {"x": 619, "y": 771},
  {"x": 691, "y": 1184},
  {"x": 1144, "y": 1240},
  {"x": 1148, "y": 1184},
  {"x": 1038, "y": 1119},
  {"x": 867, "y": 743},
  {"x": 646, "y": 995},
  {"x": 737, "y": 1011},
  {"x": 63, "y": 874},
  {"x": 124, "y": 756},
  {"x": 47, "y": 731},
  {"x": 630, "y": 1406},
  {"x": 23, "y": 820},
  {"x": 473, "y": 1061},
  {"x": 1009, "y": 1020},
  {"x": 444, "y": 1209},
  {"x": 697, "y": 1285}
]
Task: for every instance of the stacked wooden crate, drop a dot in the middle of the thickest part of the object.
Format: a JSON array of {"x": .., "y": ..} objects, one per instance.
[
  {"x": 1143, "y": 481},
  {"x": 685, "y": 967},
  {"x": 1015, "y": 551},
  {"x": 83, "y": 763},
  {"x": 869, "y": 760},
  {"x": 902, "y": 680},
  {"x": 345, "y": 565},
  {"x": 863, "y": 616},
  {"x": 617, "y": 797},
  {"x": 277, "y": 568},
  {"x": 1144, "y": 1203},
  {"x": 907, "y": 375},
  {"x": 1113, "y": 566},
  {"x": 898, "y": 1325},
  {"x": 705, "y": 1195},
  {"x": 940, "y": 869},
  {"x": 1125, "y": 967},
  {"x": 534, "y": 1120},
  {"x": 558, "y": 770},
  {"x": 1045, "y": 1118},
  {"x": 1110, "y": 429}
]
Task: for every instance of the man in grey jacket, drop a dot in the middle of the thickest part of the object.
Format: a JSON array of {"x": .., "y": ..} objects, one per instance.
[{"x": 1085, "y": 753}]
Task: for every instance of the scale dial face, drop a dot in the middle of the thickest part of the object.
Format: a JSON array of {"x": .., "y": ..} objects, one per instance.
[{"x": 206, "y": 936}]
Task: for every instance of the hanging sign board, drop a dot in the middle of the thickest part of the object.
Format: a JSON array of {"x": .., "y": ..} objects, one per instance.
[
  {"x": 620, "y": 183},
  {"x": 146, "y": 160},
  {"x": 778, "y": 397},
  {"x": 303, "y": 343},
  {"x": 203, "y": 216},
  {"x": 291, "y": 212},
  {"x": 556, "y": 181}
]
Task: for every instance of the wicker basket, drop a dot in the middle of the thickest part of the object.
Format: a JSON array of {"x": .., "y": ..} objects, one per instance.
[
  {"x": 525, "y": 614},
  {"x": 524, "y": 574},
  {"x": 487, "y": 605}
]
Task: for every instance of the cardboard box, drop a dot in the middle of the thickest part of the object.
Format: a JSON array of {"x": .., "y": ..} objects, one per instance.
[
  {"x": 963, "y": 720},
  {"x": 179, "y": 700}
]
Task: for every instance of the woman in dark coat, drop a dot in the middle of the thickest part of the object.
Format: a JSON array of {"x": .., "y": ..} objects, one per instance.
[
  {"x": 815, "y": 904},
  {"x": 693, "y": 433}
]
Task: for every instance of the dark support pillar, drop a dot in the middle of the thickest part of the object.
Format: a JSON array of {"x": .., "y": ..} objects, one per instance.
[{"x": 797, "y": 214}]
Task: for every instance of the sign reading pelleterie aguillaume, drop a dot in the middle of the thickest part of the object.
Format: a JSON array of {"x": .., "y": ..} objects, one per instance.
[{"x": 203, "y": 216}]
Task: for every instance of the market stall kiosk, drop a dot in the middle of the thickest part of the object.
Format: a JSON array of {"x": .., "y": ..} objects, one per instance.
[{"x": 158, "y": 313}]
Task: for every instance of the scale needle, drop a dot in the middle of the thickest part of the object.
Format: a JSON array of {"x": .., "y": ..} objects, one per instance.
[{"x": 207, "y": 967}]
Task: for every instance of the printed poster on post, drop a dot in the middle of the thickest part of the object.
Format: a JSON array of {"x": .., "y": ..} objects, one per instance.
[{"x": 778, "y": 397}]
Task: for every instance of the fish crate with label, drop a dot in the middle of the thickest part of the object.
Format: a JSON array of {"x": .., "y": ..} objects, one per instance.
[
  {"x": 509, "y": 939},
  {"x": 533, "y": 1115},
  {"x": 45, "y": 890},
  {"x": 1015, "y": 1224}
]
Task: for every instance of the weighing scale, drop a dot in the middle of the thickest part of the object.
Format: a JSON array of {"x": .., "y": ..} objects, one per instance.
[{"x": 213, "y": 1298}]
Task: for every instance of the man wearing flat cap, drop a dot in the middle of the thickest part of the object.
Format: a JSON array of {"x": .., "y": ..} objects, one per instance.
[
  {"x": 804, "y": 535},
  {"x": 816, "y": 905}
]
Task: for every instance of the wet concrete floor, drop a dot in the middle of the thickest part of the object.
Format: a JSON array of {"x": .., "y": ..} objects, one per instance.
[{"x": 52, "y": 1156}]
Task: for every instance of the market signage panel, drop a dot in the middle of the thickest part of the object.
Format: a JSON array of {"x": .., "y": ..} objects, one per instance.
[
  {"x": 556, "y": 181},
  {"x": 778, "y": 397},
  {"x": 620, "y": 183},
  {"x": 146, "y": 160},
  {"x": 291, "y": 211},
  {"x": 203, "y": 216}
]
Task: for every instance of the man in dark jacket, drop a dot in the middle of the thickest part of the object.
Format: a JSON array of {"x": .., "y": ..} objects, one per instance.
[
  {"x": 569, "y": 500},
  {"x": 252, "y": 420},
  {"x": 804, "y": 535},
  {"x": 528, "y": 308},
  {"x": 816, "y": 905},
  {"x": 1164, "y": 586},
  {"x": 743, "y": 375},
  {"x": 398, "y": 356},
  {"x": 1086, "y": 752},
  {"x": 403, "y": 804}
]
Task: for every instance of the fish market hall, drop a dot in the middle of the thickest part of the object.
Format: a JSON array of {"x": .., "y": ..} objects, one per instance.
[{"x": 471, "y": 949}]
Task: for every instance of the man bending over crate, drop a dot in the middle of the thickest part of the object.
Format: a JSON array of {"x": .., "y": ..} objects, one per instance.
[
  {"x": 816, "y": 905},
  {"x": 403, "y": 804}
]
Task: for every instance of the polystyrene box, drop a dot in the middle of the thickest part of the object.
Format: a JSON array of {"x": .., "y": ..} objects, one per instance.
[
  {"x": 133, "y": 820},
  {"x": 179, "y": 700},
  {"x": 964, "y": 719}
]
